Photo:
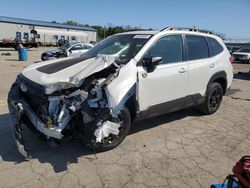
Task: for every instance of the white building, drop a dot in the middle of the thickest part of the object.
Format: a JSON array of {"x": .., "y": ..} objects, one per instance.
[{"x": 44, "y": 32}]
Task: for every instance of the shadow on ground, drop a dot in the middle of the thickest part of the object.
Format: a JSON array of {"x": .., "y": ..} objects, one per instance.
[
  {"x": 12, "y": 59},
  {"x": 70, "y": 150},
  {"x": 7, "y": 50},
  {"x": 242, "y": 75}
]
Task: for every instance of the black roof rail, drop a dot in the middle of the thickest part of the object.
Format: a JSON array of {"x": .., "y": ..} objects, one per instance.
[{"x": 187, "y": 29}]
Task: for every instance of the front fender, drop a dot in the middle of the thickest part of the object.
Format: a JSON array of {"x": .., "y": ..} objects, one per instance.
[{"x": 121, "y": 88}]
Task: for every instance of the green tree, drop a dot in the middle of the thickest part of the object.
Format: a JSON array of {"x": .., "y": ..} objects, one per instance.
[
  {"x": 71, "y": 22},
  {"x": 104, "y": 31}
]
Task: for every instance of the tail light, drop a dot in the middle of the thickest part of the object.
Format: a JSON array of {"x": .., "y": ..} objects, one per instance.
[{"x": 231, "y": 59}]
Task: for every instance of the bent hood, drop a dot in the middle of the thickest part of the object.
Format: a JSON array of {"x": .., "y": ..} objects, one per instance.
[{"x": 66, "y": 72}]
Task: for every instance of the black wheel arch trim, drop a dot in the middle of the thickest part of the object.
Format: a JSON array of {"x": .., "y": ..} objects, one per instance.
[{"x": 217, "y": 75}]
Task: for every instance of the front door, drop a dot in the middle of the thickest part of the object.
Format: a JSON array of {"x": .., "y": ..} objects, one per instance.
[
  {"x": 165, "y": 87},
  {"x": 75, "y": 50}
]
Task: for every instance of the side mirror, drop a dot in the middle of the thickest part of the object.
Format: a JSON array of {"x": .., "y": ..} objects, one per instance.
[
  {"x": 151, "y": 63},
  {"x": 156, "y": 60},
  {"x": 70, "y": 51}
]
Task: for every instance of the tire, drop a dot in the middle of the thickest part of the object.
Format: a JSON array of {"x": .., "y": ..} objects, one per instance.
[
  {"x": 213, "y": 99},
  {"x": 126, "y": 118}
]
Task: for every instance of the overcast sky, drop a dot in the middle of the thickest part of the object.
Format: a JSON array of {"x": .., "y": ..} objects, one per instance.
[{"x": 231, "y": 17}]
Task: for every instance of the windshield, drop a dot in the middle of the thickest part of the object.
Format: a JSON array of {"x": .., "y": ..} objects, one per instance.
[
  {"x": 244, "y": 50},
  {"x": 65, "y": 47},
  {"x": 123, "y": 47}
]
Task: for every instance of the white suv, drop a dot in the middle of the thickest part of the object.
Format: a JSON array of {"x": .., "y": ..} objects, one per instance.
[{"x": 126, "y": 77}]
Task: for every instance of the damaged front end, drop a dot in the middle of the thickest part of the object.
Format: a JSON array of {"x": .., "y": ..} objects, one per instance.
[{"x": 95, "y": 109}]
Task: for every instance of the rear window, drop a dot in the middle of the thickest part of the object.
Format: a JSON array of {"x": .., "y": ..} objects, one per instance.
[
  {"x": 197, "y": 47},
  {"x": 215, "y": 46}
]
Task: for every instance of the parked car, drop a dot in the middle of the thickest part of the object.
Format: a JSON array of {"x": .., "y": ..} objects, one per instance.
[
  {"x": 232, "y": 49},
  {"x": 67, "y": 50},
  {"x": 98, "y": 95},
  {"x": 242, "y": 55}
]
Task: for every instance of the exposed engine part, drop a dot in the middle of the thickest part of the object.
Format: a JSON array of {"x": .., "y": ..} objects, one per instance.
[
  {"x": 59, "y": 107},
  {"x": 105, "y": 129},
  {"x": 74, "y": 102},
  {"x": 97, "y": 91},
  {"x": 86, "y": 113}
]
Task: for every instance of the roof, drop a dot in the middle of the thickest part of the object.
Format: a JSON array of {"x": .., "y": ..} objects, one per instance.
[{"x": 43, "y": 23}]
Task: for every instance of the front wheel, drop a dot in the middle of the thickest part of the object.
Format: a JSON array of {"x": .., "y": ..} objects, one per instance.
[
  {"x": 213, "y": 99},
  {"x": 61, "y": 56},
  {"x": 113, "y": 141}
]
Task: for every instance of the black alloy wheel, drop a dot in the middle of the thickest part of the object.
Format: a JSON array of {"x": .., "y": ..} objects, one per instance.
[{"x": 213, "y": 99}]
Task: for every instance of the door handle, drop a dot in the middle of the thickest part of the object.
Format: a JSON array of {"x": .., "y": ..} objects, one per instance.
[
  {"x": 182, "y": 70},
  {"x": 212, "y": 65}
]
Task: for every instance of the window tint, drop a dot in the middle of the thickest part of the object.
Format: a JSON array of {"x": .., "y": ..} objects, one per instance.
[
  {"x": 197, "y": 47},
  {"x": 76, "y": 47},
  {"x": 85, "y": 46},
  {"x": 169, "y": 48},
  {"x": 215, "y": 47}
]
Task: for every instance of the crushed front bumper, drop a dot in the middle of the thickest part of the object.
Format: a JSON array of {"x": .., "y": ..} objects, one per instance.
[
  {"x": 20, "y": 109},
  {"x": 17, "y": 129}
]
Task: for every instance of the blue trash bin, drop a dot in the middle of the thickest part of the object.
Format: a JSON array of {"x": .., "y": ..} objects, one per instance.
[{"x": 23, "y": 54}]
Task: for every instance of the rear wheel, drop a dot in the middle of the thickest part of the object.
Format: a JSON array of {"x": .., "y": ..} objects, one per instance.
[
  {"x": 213, "y": 99},
  {"x": 113, "y": 141}
]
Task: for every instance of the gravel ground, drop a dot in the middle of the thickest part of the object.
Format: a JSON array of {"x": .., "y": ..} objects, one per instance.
[{"x": 181, "y": 149}]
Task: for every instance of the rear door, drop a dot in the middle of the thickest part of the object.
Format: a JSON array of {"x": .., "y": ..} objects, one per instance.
[
  {"x": 165, "y": 87},
  {"x": 200, "y": 65}
]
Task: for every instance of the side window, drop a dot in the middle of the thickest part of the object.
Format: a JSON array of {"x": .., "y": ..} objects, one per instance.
[
  {"x": 76, "y": 47},
  {"x": 215, "y": 47},
  {"x": 197, "y": 47},
  {"x": 85, "y": 46},
  {"x": 169, "y": 48},
  {"x": 55, "y": 37}
]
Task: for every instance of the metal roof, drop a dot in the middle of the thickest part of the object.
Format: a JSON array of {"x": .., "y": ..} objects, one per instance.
[{"x": 42, "y": 23}]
